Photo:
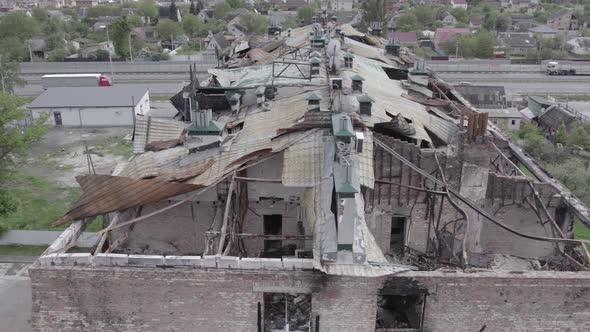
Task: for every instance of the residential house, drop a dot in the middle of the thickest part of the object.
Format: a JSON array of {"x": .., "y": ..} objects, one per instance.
[
  {"x": 517, "y": 43},
  {"x": 92, "y": 106},
  {"x": 233, "y": 17},
  {"x": 90, "y": 51},
  {"x": 579, "y": 45},
  {"x": 84, "y": 42},
  {"x": 205, "y": 15},
  {"x": 449, "y": 20},
  {"x": 521, "y": 22},
  {"x": 445, "y": 35},
  {"x": 517, "y": 5},
  {"x": 554, "y": 117},
  {"x": 7, "y": 6},
  {"x": 509, "y": 118},
  {"x": 218, "y": 41},
  {"x": 151, "y": 33},
  {"x": 563, "y": 20},
  {"x": 475, "y": 22},
  {"x": 290, "y": 5},
  {"x": 337, "y": 5},
  {"x": 404, "y": 38},
  {"x": 483, "y": 96},
  {"x": 37, "y": 46},
  {"x": 459, "y": 4},
  {"x": 538, "y": 105},
  {"x": 86, "y": 3},
  {"x": 544, "y": 30}
]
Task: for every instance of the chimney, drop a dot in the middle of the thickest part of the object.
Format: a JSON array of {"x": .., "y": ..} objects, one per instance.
[
  {"x": 313, "y": 102},
  {"x": 260, "y": 95},
  {"x": 314, "y": 66},
  {"x": 289, "y": 32},
  {"x": 334, "y": 18},
  {"x": 348, "y": 58},
  {"x": 315, "y": 54},
  {"x": 201, "y": 119},
  {"x": 392, "y": 48},
  {"x": 357, "y": 83},
  {"x": 234, "y": 102},
  {"x": 365, "y": 103},
  {"x": 419, "y": 68}
]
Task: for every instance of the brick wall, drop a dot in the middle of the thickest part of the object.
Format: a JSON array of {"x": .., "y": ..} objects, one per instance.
[{"x": 156, "y": 299}]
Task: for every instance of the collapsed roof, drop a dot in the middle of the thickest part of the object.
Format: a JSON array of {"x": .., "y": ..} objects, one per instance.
[{"x": 355, "y": 139}]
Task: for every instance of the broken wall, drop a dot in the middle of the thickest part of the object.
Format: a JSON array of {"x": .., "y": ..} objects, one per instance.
[{"x": 156, "y": 299}]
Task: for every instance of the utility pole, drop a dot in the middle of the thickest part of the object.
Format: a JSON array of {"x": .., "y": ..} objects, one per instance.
[{"x": 130, "y": 50}]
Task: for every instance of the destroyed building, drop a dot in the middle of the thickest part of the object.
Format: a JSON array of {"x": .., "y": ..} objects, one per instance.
[{"x": 330, "y": 185}]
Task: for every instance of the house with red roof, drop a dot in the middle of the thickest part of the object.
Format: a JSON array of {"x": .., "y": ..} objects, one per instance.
[
  {"x": 445, "y": 35},
  {"x": 404, "y": 38}
]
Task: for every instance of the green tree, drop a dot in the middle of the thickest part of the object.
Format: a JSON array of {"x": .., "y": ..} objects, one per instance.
[
  {"x": 40, "y": 15},
  {"x": 374, "y": 11},
  {"x": 460, "y": 14},
  {"x": 12, "y": 48},
  {"x": 200, "y": 6},
  {"x": 426, "y": 15},
  {"x": 134, "y": 21},
  {"x": 169, "y": 29},
  {"x": 173, "y": 11},
  {"x": 305, "y": 13},
  {"x": 9, "y": 75},
  {"x": 254, "y": 23},
  {"x": 17, "y": 25},
  {"x": 503, "y": 22},
  {"x": 221, "y": 10},
  {"x": 191, "y": 25},
  {"x": 408, "y": 22},
  {"x": 120, "y": 36},
  {"x": 148, "y": 8},
  {"x": 15, "y": 142},
  {"x": 235, "y": 3}
]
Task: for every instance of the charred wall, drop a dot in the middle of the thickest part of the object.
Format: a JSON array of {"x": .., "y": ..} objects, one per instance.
[{"x": 157, "y": 299}]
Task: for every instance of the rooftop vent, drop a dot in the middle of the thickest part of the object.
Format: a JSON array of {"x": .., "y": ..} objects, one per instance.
[
  {"x": 357, "y": 83},
  {"x": 336, "y": 83},
  {"x": 315, "y": 66},
  {"x": 313, "y": 102},
  {"x": 392, "y": 48},
  {"x": 348, "y": 60},
  {"x": 365, "y": 104},
  {"x": 260, "y": 91}
]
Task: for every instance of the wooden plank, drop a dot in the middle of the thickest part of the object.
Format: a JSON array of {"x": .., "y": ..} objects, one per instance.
[{"x": 226, "y": 214}]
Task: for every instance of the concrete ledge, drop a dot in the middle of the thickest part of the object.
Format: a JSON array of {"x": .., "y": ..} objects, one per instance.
[
  {"x": 297, "y": 263},
  {"x": 81, "y": 258},
  {"x": 228, "y": 262},
  {"x": 66, "y": 259},
  {"x": 146, "y": 260},
  {"x": 191, "y": 261},
  {"x": 210, "y": 261},
  {"x": 111, "y": 260},
  {"x": 248, "y": 263},
  {"x": 271, "y": 263}
]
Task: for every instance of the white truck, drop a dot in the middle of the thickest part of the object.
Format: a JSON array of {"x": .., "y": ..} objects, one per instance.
[
  {"x": 71, "y": 80},
  {"x": 554, "y": 68}
]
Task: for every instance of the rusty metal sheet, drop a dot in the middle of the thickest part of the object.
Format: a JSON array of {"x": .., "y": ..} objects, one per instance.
[
  {"x": 186, "y": 172},
  {"x": 104, "y": 193}
]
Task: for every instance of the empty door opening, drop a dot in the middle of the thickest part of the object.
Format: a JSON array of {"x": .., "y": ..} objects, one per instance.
[
  {"x": 396, "y": 240},
  {"x": 273, "y": 225},
  {"x": 57, "y": 118}
]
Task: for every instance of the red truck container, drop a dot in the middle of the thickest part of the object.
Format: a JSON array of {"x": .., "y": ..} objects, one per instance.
[{"x": 61, "y": 80}]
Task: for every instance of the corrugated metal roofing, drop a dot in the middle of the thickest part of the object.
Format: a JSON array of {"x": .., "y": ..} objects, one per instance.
[
  {"x": 302, "y": 162},
  {"x": 365, "y": 171},
  {"x": 150, "y": 129}
]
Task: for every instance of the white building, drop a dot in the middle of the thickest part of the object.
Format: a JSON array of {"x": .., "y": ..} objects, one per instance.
[
  {"x": 459, "y": 4},
  {"x": 92, "y": 106},
  {"x": 510, "y": 118}
]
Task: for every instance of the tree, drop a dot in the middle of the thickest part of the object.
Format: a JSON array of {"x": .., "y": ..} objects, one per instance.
[
  {"x": 193, "y": 9},
  {"x": 407, "y": 22},
  {"x": 148, "y": 8},
  {"x": 235, "y": 3},
  {"x": 221, "y": 10},
  {"x": 374, "y": 11},
  {"x": 305, "y": 14},
  {"x": 9, "y": 75},
  {"x": 200, "y": 6},
  {"x": 169, "y": 29},
  {"x": 40, "y": 14},
  {"x": 120, "y": 36},
  {"x": 191, "y": 25},
  {"x": 254, "y": 23},
  {"x": 134, "y": 21},
  {"x": 503, "y": 22},
  {"x": 173, "y": 11},
  {"x": 17, "y": 25},
  {"x": 15, "y": 141},
  {"x": 460, "y": 14},
  {"x": 426, "y": 15},
  {"x": 12, "y": 48}
]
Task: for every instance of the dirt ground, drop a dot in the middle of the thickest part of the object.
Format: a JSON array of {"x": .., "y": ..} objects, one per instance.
[{"x": 61, "y": 156}]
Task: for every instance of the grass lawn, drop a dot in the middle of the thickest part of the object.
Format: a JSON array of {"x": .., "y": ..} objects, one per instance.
[
  {"x": 40, "y": 203},
  {"x": 20, "y": 250},
  {"x": 581, "y": 231},
  {"x": 117, "y": 146}
]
